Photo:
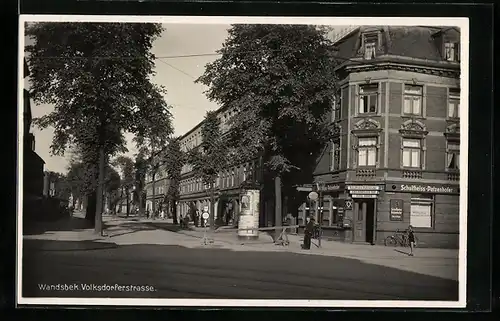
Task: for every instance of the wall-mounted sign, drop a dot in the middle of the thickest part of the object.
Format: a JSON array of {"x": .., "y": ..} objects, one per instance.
[
  {"x": 423, "y": 188},
  {"x": 364, "y": 188},
  {"x": 329, "y": 187},
  {"x": 396, "y": 213},
  {"x": 348, "y": 204},
  {"x": 364, "y": 196}
]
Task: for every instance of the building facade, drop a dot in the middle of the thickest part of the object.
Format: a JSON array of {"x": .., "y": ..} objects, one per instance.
[
  {"x": 396, "y": 159},
  {"x": 156, "y": 190}
]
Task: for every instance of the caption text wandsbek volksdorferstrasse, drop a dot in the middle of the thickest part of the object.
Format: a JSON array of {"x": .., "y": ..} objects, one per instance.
[{"x": 90, "y": 287}]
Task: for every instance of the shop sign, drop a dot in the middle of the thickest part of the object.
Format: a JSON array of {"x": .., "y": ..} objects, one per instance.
[
  {"x": 348, "y": 204},
  {"x": 364, "y": 196},
  {"x": 333, "y": 187},
  {"x": 424, "y": 188},
  {"x": 396, "y": 213},
  {"x": 363, "y": 188}
]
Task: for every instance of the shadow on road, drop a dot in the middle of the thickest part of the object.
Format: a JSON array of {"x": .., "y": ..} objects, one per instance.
[
  {"x": 64, "y": 224},
  {"x": 134, "y": 227},
  {"x": 178, "y": 272}
]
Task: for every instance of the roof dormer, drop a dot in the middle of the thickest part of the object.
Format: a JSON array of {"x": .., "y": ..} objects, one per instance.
[{"x": 448, "y": 42}]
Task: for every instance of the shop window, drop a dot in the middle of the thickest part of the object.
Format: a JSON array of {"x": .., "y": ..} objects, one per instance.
[
  {"x": 453, "y": 156},
  {"x": 412, "y": 153},
  {"x": 335, "y": 156},
  {"x": 452, "y": 51},
  {"x": 454, "y": 103},
  {"x": 367, "y": 151},
  {"x": 422, "y": 211},
  {"x": 412, "y": 100},
  {"x": 368, "y": 99},
  {"x": 370, "y": 42}
]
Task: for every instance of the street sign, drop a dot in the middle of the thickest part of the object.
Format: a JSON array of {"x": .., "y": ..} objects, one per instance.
[
  {"x": 313, "y": 196},
  {"x": 205, "y": 215},
  {"x": 304, "y": 189}
]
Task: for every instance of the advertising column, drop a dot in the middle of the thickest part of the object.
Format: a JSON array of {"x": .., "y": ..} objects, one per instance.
[{"x": 248, "y": 221}]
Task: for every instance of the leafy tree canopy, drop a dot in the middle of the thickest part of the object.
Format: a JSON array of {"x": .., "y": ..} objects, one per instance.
[
  {"x": 210, "y": 157},
  {"x": 96, "y": 75},
  {"x": 126, "y": 165},
  {"x": 279, "y": 81}
]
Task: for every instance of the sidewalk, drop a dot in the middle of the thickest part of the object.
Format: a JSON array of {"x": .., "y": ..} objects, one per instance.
[{"x": 131, "y": 231}]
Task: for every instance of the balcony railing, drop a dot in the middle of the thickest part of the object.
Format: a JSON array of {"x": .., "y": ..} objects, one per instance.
[
  {"x": 412, "y": 174},
  {"x": 454, "y": 176},
  {"x": 365, "y": 173}
]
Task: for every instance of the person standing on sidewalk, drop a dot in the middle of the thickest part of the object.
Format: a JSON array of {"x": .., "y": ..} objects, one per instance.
[
  {"x": 411, "y": 239},
  {"x": 308, "y": 233}
]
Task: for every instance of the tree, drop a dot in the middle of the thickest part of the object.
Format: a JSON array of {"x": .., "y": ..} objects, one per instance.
[
  {"x": 141, "y": 167},
  {"x": 174, "y": 160},
  {"x": 126, "y": 165},
  {"x": 281, "y": 81},
  {"x": 210, "y": 157},
  {"x": 112, "y": 185},
  {"x": 97, "y": 77}
]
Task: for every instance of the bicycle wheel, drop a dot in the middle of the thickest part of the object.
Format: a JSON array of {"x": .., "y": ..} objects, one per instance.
[{"x": 390, "y": 241}]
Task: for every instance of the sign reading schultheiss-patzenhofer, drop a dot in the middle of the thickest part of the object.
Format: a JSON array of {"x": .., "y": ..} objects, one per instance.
[
  {"x": 248, "y": 222},
  {"x": 424, "y": 188}
]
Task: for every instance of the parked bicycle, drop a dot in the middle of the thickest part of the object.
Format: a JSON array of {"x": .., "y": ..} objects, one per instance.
[
  {"x": 317, "y": 232},
  {"x": 400, "y": 238}
]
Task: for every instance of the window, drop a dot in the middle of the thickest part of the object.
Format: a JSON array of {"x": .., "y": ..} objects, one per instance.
[
  {"x": 451, "y": 51},
  {"x": 336, "y": 111},
  {"x": 368, "y": 96},
  {"x": 453, "y": 156},
  {"x": 232, "y": 178},
  {"x": 421, "y": 211},
  {"x": 367, "y": 151},
  {"x": 244, "y": 173},
  {"x": 370, "y": 45},
  {"x": 411, "y": 153},
  {"x": 335, "y": 159},
  {"x": 412, "y": 100},
  {"x": 454, "y": 103}
]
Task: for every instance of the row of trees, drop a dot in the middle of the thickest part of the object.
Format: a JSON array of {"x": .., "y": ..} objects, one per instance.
[{"x": 280, "y": 79}]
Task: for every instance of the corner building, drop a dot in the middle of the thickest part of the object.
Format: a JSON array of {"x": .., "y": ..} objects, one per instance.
[{"x": 395, "y": 160}]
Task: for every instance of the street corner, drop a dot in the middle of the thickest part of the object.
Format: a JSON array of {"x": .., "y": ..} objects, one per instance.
[{"x": 58, "y": 245}]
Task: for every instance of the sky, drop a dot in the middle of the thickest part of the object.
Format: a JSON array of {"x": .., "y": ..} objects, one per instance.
[{"x": 188, "y": 101}]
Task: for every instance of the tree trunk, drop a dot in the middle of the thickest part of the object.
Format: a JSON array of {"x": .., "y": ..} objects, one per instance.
[
  {"x": 173, "y": 204},
  {"x": 90, "y": 207},
  {"x": 278, "y": 221},
  {"x": 153, "y": 204},
  {"x": 99, "y": 200},
  {"x": 141, "y": 203},
  {"x": 212, "y": 207},
  {"x": 128, "y": 201}
]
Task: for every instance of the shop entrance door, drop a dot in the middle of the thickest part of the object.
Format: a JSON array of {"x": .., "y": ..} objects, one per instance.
[{"x": 364, "y": 214}]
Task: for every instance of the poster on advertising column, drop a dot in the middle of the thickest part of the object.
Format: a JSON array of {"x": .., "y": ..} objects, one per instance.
[{"x": 248, "y": 222}]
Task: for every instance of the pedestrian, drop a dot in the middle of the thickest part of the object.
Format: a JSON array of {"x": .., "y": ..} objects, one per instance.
[
  {"x": 308, "y": 230},
  {"x": 411, "y": 239},
  {"x": 162, "y": 215}
]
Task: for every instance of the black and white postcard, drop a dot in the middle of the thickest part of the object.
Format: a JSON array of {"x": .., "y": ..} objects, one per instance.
[{"x": 242, "y": 161}]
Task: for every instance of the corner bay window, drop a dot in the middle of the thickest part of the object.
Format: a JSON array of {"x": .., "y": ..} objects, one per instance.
[
  {"x": 453, "y": 156},
  {"x": 454, "y": 103},
  {"x": 367, "y": 151},
  {"x": 412, "y": 100},
  {"x": 412, "y": 151},
  {"x": 421, "y": 211},
  {"x": 368, "y": 96}
]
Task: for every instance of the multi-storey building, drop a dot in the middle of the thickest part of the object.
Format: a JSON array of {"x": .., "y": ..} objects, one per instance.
[
  {"x": 33, "y": 175},
  {"x": 154, "y": 201},
  {"x": 195, "y": 196},
  {"x": 396, "y": 159}
]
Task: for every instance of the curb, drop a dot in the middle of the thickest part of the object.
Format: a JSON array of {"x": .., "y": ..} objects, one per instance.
[{"x": 78, "y": 246}]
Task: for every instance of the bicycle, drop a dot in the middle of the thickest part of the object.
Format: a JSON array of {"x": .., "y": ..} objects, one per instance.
[{"x": 398, "y": 238}]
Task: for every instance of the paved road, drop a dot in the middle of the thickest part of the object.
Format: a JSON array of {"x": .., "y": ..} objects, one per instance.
[{"x": 178, "y": 272}]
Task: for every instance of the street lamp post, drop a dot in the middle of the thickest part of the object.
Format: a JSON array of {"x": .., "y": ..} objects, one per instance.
[{"x": 319, "y": 186}]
